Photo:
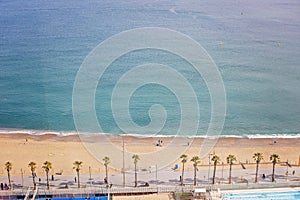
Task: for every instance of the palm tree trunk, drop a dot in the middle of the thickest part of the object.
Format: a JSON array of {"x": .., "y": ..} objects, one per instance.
[
  {"x": 230, "y": 169},
  {"x": 48, "y": 186},
  {"x": 78, "y": 182},
  {"x": 182, "y": 174},
  {"x": 195, "y": 176},
  {"x": 273, "y": 173},
  {"x": 256, "y": 172},
  {"x": 8, "y": 176},
  {"x": 214, "y": 174},
  {"x": 135, "y": 176},
  {"x": 33, "y": 179},
  {"x": 106, "y": 173}
]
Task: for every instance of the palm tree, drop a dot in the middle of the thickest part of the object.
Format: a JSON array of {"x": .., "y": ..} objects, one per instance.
[
  {"x": 216, "y": 159},
  {"x": 47, "y": 166},
  {"x": 8, "y": 167},
  {"x": 32, "y": 166},
  {"x": 106, "y": 163},
  {"x": 135, "y": 158},
  {"x": 183, "y": 158},
  {"x": 196, "y": 161},
  {"x": 275, "y": 159},
  {"x": 77, "y": 166},
  {"x": 230, "y": 160},
  {"x": 258, "y": 157}
]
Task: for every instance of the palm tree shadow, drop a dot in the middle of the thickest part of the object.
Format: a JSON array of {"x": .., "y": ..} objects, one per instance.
[
  {"x": 174, "y": 181},
  {"x": 98, "y": 183},
  {"x": 70, "y": 183},
  {"x": 18, "y": 186},
  {"x": 201, "y": 181},
  {"x": 280, "y": 177},
  {"x": 188, "y": 180}
]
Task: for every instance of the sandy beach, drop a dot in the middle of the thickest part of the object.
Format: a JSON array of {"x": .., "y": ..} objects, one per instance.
[
  {"x": 155, "y": 152},
  {"x": 62, "y": 151}
]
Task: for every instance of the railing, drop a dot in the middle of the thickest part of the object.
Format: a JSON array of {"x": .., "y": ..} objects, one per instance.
[{"x": 85, "y": 192}]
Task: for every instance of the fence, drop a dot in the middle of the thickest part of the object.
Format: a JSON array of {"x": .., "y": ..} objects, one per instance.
[{"x": 94, "y": 192}]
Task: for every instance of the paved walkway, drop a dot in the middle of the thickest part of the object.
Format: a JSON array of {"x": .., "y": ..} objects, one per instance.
[{"x": 166, "y": 177}]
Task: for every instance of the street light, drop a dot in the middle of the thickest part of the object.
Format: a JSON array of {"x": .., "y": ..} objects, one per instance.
[
  {"x": 222, "y": 172},
  {"x": 90, "y": 172},
  {"x": 22, "y": 178},
  {"x": 123, "y": 169}
]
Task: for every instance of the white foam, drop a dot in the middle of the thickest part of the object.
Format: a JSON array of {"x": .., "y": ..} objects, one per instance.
[{"x": 68, "y": 133}]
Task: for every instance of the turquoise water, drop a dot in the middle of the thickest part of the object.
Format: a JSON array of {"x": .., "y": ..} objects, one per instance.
[
  {"x": 44, "y": 43},
  {"x": 265, "y": 195}
]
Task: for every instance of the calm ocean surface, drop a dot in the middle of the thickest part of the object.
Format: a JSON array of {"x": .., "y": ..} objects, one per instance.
[{"x": 43, "y": 44}]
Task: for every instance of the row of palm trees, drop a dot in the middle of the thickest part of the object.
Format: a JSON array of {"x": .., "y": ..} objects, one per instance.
[
  {"x": 47, "y": 166},
  {"x": 32, "y": 165},
  {"x": 230, "y": 159},
  {"x": 77, "y": 165}
]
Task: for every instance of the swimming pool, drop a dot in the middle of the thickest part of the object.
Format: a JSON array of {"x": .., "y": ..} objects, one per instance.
[{"x": 291, "y": 195}]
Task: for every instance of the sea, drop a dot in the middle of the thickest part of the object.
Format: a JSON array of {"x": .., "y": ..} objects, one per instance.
[{"x": 255, "y": 46}]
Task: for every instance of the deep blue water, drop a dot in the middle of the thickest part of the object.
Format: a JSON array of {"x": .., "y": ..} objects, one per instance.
[{"x": 44, "y": 43}]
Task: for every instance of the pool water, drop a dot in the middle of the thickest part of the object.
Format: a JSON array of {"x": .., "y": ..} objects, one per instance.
[{"x": 264, "y": 195}]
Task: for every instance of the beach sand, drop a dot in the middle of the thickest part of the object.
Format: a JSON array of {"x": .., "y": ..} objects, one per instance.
[{"x": 62, "y": 151}]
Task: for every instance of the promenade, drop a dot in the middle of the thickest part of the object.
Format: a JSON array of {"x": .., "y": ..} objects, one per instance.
[{"x": 164, "y": 181}]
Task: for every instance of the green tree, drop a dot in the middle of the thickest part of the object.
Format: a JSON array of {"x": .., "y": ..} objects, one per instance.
[
  {"x": 135, "y": 158},
  {"x": 47, "y": 166},
  {"x": 196, "y": 161},
  {"x": 183, "y": 158},
  {"x": 258, "y": 157},
  {"x": 77, "y": 166},
  {"x": 216, "y": 159},
  {"x": 275, "y": 159},
  {"x": 106, "y": 163},
  {"x": 8, "y": 167},
  {"x": 32, "y": 166},
  {"x": 230, "y": 160}
]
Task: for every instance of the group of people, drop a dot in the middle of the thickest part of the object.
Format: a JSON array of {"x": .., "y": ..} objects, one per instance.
[
  {"x": 159, "y": 143},
  {"x": 5, "y": 186}
]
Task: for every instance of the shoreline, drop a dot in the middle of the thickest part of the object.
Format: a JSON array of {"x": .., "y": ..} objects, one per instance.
[{"x": 4, "y": 131}]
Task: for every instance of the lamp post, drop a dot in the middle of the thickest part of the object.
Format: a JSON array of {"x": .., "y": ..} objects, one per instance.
[
  {"x": 222, "y": 172},
  {"x": 123, "y": 169},
  {"x": 156, "y": 178},
  {"x": 22, "y": 178},
  {"x": 90, "y": 172}
]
